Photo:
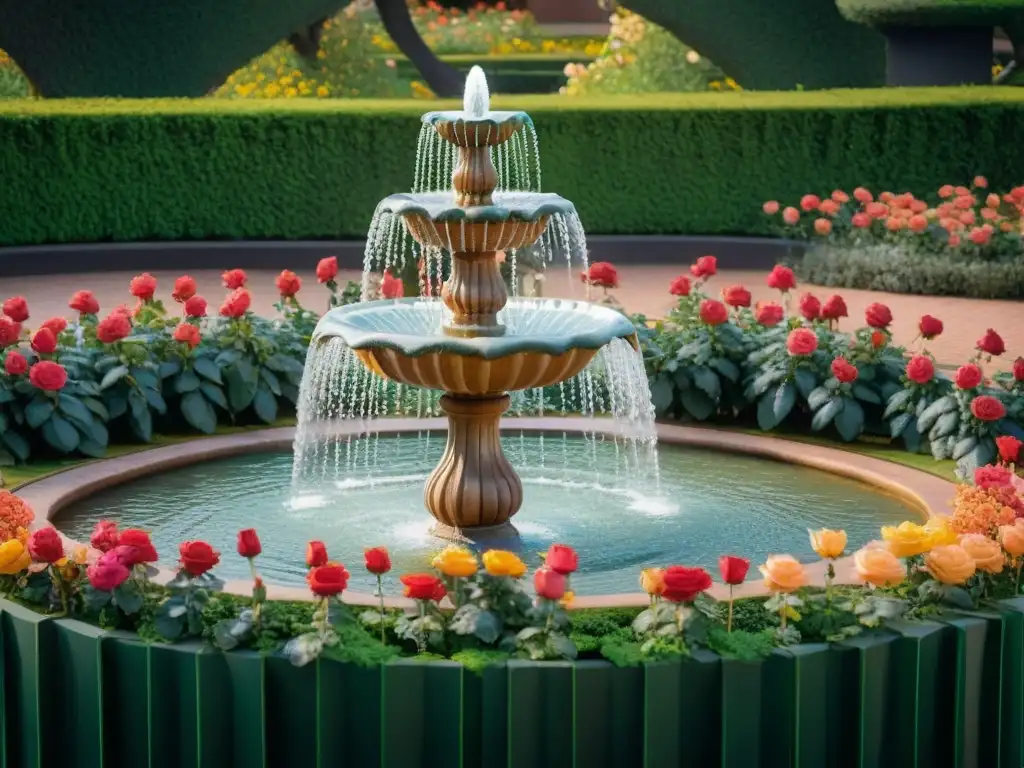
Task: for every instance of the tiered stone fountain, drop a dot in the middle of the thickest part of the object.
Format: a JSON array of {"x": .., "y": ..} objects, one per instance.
[{"x": 486, "y": 345}]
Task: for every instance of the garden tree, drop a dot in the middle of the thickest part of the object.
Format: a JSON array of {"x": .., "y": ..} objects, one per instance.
[
  {"x": 774, "y": 46},
  {"x": 183, "y": 48}
]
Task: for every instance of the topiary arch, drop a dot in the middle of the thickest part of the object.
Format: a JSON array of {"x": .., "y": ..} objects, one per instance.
[{"x": 774, "y": 45}]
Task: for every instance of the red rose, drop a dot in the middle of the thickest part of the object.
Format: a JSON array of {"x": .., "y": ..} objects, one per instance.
[
  {"x": 920, "y": 369},
  {"x": 143, "y": 286},
  {"x": 107, "y": 573},
  {"x": 733, "y": 569},
  {"x": 862, "y": 195},
  {"x": 10, "y": 331},
  {"x": 562, "y": 559},
  {"x": 877, "y": 339},
  {"x": 987, "y": 408},
  {"x": 104, "y": 536},
  {"x": 713, "y": 312},
  {"x": 802, "y": 342},
  {"x": 249, "y": 543},
  {"x": 44, "y": 342},
  {"x": 45, "y": 545},
  {"x": 327, "y": 580},
  {"x": 48, "y": 376},
  {"x": 736, "y": 296},
  {"x": 114, "y": 327},
  {"x": 56, "y": 325},
  {"x": 706, "y": 266},
  {"x": 15, "y": 364},
  {"x": 184, "y": 289},
  {"x": 1009, "y": 448},
  {"x": 991, "y": 343},
  {"x": 680, "y": 286},
  {"x": 683, "y": 584},
  {"x": 878, "y": 315},
  {"x": 85, "y": 303},
  {"x": 601, "y": 274},
  {"x": 195, "y": 307},
  {"x": 968, "y": 376},
  {"x": 810, "y": 307},
  {"x": 768, "y": 313},
  {"x": 439, "y": 592},
  {"x": 810, "y": 202},
  {"x": 187, "y": 334},
  {"x": 327, "y": 269},
  {"x": 236, "y": 304},
  {"x": 139, "y": 545},
  {"x": 234, "y": 279},
  {"x": 16, "y": 308},
  {"x": 834, "y": 308},
  {"x": 421, "y": 586},
  {"x": 316, "y": 554},
  {"x": 993, "y": 477},
  {"x": 549, "y": 584},
  {"x": 378, "y": 561},
  {"x": 843, "y": 370},
  {"x": 860, "y": 220},
  {"x": 1018, "y": 369},
  {"x": 782, "y": 278},
  {"x": 288, "y": 283},
  {"x": 197, "y": 557},
  {"x": 391, "y": 287},
  {"x": 929, "y": 326}
]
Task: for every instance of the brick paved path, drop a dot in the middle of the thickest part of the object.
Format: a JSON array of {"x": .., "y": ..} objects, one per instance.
[{"x": 643, "y": 289}]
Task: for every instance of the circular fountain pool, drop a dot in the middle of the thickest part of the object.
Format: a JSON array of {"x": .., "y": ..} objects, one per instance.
[{"x": 704, "y": 504}]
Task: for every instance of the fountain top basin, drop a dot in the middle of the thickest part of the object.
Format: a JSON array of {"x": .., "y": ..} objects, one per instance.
[{"x": 507, "y": 206}]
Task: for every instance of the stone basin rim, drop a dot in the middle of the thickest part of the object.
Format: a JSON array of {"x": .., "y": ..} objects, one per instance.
[{"x": 927, "y": 494}]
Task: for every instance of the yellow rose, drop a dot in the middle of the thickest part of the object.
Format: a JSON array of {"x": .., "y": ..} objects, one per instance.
[
  {"x": 1012, "y": 538},
  {"x": 986, "y": 552},
  {"x": 827, "y": 543},
  {"x": 14, "y": 557},
  {"x": 939, "y": 531},
  {"x": 783, "y": 573},
  {"x": 949, "y": 564},
  {"x": 81, "y": 555},
  {"x": 501, "y": 563},
  {"x": 455, "y": 562},
  {"x": 652, "y": 580},
  {"x": 877, "y": 565},
  {"x": 907, "y": 539},
  {"x": 567, "y": 599}
]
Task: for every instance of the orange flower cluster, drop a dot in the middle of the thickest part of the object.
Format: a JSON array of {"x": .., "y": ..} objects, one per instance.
[
  {"x": 15, "y": 514},
  {"x": 981, "y": 510}
]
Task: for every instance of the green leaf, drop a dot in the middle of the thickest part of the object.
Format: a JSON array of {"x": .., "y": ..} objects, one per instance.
[
  {"x": 97, "y": 408},
  {"x": 198, "y": 412},
  {"x": 945, "y": 425},
  {"x": 214, "y": 394},
  {"x": 964, "y": 446},
  {"x": 92, "y": 449},
  {"x": 897, "y": 402},
  {"x": 229, "y": 357},
  {"x": 60, "y": 434},
  {"x": 818, "y": 398},
  {"x": 265, "y": 405},
  {"x": 697, "y": 404},
  {"x": 74, "y": 409},
  {"x": 785, "y": 399},
  {"x": 114, "y": 375},
  {"x": 850, "y": 420},
  {"x": 145, "y": 378},
  {"x": 168, "y": 368},
  {"x": 824, "y": 415},
  {"x": 128, "y": 597},
  {"x": 17, "y": 444},
  {"x": 272, "y": 382},
  {"x": 208, "y": 369},
  {"x": 806, "y": 381},
  {"x": 661, "y": 393},
  {"x": 899, "y": 424},
  {"x": 284, "y": 364},
  {"x": 931, "y": 414},
  {"x": 303, "y": 649},
  {"x": 141, "y": 420},
  {"x": 911, "y": 437},
  {"x": 766, "y": 410},
  {"x": 155, "y": 400},
  {"x": 866, "y": 393},
  {"x": 242, "y": 381},
  {"x": 726, "y": 368},
  {"x": 560, "y": 647},
  {"x": 766, "y": 379},
  {"x": 169, "y": 627},
  {"x": 187, "y": 381},
  {"x": 95, "y": 599},
  {"x": 117, "y": 404},
  {"x": 706, "y": 380},
  {"x": 38, "y": 411}
]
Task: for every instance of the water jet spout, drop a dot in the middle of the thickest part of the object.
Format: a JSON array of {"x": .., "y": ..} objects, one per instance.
[{"x": 476, "y": 102}]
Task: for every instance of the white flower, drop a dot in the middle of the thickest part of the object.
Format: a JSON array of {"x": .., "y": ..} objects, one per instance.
[{"x": 693, "y": 57}]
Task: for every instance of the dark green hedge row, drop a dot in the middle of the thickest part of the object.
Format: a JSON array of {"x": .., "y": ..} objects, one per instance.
[{"x": 77, "y": 171}]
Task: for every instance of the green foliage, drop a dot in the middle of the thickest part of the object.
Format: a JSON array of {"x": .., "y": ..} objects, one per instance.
[
  {"x": 740, "y": 644},
  {"x": 748, "y": 148},
  {"x": 929, "y": 13},
  {"x": 476, "y": 660}
]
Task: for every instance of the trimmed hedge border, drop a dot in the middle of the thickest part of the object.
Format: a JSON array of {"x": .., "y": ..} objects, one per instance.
[
  {"x": 936, "y": 694},
  {"x": 102, "y": 171}
]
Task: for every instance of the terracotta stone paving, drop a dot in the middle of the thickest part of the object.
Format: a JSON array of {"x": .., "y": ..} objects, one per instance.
[{"x": 643, "y": 289}]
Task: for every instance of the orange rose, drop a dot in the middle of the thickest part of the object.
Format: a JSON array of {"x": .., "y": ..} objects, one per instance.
[
  {"x": 1012, "y": 538},
  {"x": 783, "y": 573},
  {"x": 878, "y": 566},
  {"x": 949, "y": 564},
  {"x": 986, "y": 552},
  {"x": 828, "y": 544},
  {"x": 653, "y": 581}
]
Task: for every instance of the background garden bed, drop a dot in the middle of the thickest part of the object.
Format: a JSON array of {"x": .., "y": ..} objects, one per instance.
[{"x": 935, "y": 694}]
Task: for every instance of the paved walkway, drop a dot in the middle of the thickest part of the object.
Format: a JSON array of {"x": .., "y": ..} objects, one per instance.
[{"x": 643, "y": 289}]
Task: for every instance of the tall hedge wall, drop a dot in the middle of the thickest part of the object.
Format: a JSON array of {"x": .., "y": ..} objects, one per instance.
[{"x": 78, "y": 171}]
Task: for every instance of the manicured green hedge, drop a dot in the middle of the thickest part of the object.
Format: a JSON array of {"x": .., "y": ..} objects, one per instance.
[
  {"x": 77, "y": 171},
  {"x": 879, "y": 13},
  {"x": 942, "y": 694}
]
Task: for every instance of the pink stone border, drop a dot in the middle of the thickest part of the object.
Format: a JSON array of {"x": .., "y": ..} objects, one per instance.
[{"x": 926, "y": 493}]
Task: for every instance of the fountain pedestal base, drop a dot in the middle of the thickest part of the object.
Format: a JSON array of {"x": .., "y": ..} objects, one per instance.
[{"x": 474, "y": 484}]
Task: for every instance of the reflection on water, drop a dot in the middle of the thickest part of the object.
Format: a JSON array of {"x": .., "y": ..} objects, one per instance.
[{"x": 704, "y": 504}]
